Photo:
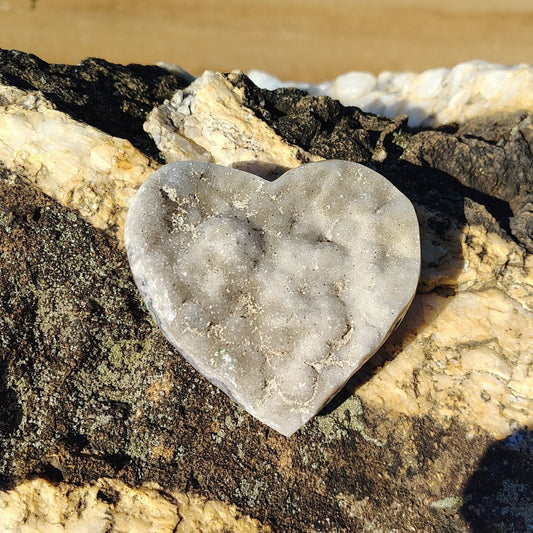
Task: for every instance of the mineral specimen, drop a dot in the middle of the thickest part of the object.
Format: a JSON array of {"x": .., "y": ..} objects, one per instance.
[{"x": 278, "y": 291}]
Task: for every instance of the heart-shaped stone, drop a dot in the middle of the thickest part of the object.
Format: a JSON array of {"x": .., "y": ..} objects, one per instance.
[{"x": 277, "y": 292}]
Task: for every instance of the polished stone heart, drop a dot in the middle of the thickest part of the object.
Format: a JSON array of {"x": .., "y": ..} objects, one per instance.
[{"x": 277, "y": 292}]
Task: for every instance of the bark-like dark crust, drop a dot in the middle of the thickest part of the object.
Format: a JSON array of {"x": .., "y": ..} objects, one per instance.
[
  {"x": 320, "y": 125},
  {"x": 493, "y": 156},
  {"x": 113, "y": 98}
]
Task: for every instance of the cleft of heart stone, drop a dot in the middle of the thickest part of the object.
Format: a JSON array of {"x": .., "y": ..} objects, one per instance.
[{"x": 277, "y": 292}]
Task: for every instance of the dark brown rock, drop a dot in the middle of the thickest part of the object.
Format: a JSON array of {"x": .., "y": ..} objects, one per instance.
[
  {"x": 113, "y": 98},
  {"x": 492, "y": 156},
  {"x": 320, "y": 125}
]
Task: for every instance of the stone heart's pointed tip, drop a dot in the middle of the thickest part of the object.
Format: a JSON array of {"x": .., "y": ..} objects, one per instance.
[
  {"x": 285, "y": 430},
  {"x": 289, "y": 434}
]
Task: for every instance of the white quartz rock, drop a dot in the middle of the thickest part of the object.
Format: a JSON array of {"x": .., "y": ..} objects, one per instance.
[
  {"x": 278, "y": 291},
  {"x": 208, "y": 121},
  {"x": 431, "y": 98},
  {"x": 78, "y": 165}
]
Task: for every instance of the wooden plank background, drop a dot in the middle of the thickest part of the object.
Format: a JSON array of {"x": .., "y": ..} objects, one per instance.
[{"x": 307, "y": 40}]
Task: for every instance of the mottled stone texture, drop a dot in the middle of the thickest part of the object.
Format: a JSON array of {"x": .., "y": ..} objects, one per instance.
[
  {"x": 276, "y": 291},
  {"x": 432, "y": 435},
  {"x": 207, "y": 122},
  {"x": 113, "y": 98},
  {"x": 39, "y": 505},
  {"x": 78, "y": 165}
]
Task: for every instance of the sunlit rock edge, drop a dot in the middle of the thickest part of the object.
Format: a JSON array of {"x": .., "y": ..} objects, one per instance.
[
  {"x": 430, "y": 98},
  {"x": 111, "y": 505}
]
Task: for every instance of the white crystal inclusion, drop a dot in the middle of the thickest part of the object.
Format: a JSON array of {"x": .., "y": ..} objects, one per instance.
[{"x": 279, "y": 291}]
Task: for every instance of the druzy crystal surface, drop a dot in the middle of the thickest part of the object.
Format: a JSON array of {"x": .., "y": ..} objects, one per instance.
[{"x": 277, "y": 292}]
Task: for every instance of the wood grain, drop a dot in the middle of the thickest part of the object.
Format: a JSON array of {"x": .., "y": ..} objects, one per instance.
[{"x": 308, "y": 40}]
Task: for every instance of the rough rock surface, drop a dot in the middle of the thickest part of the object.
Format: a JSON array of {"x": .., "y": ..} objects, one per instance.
[
  {"x": 489, "y": 155},
  {"x": 38, "y": 506},
  {"x": 208, "y": 122},
  {"x": 431, "y": 98},
  {"x": 432, "y": 434},
  {"x": 112, "y": 98},
  {"x": 77, "y": 164}
]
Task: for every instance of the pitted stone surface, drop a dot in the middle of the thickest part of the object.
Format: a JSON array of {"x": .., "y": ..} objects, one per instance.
[{"x": 279, "y": 291}]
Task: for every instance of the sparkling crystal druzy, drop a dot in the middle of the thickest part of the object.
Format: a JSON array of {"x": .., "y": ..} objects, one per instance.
[{"x": 277, "y": 292}]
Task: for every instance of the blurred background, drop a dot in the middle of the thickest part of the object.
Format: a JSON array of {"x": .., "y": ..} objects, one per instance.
[{"x": 305, "y": 40}]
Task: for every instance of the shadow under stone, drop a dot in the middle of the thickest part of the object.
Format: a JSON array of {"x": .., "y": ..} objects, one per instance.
[{"x": 498, "y": 498}]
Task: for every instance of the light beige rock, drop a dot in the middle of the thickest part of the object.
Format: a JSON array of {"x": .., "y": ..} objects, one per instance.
[
  {"x": 467, "y": 356},
  {"x": 110, "y": 505},
  {"x": 78, "y": 165},
  {"x": 207, "y": 122}
]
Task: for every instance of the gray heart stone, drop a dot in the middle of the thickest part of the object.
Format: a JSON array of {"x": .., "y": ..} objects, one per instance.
[{"x": 277, "y": 292}]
